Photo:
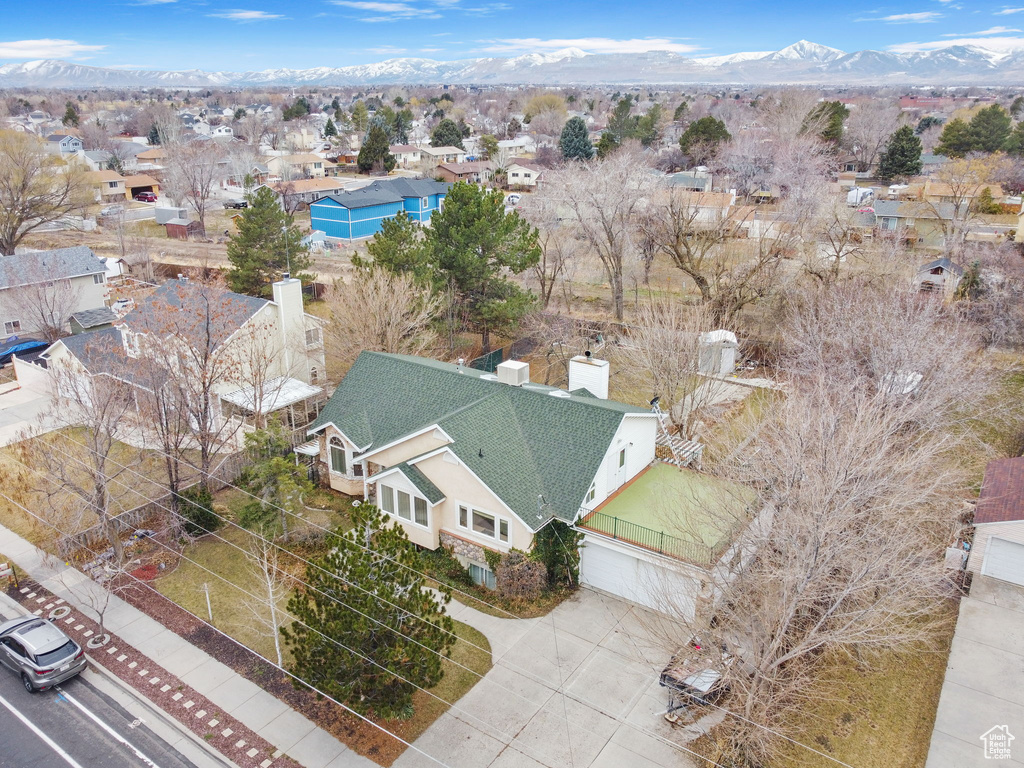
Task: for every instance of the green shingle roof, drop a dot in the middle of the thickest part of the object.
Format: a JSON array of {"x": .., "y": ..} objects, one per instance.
[
  {"x": 522, "y": 442},
  {"x": 432, "y": 493}
]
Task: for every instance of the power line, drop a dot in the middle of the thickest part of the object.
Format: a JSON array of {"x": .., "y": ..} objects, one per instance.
[{"x": 558, "y": 690}]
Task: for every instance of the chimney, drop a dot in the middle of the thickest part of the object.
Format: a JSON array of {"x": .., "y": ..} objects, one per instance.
[
  {"x": 514, "y": 373},
  {"x": 589, "y": 373},
  {"x": 288, "y": 297}
]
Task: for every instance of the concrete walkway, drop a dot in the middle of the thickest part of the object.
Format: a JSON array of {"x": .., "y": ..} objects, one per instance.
[
  {"x": 259, "y": 711},
  {"x": 605, "y": 653},
  {"x": 984, "y": 684}
]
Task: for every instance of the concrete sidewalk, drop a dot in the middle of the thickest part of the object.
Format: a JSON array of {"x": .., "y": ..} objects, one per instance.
[
  {"x": 268, "y": 717},
  {"x": 983, "y": 690}
]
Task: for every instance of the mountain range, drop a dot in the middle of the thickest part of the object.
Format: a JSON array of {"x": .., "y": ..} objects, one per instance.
[{"x": 802, "y": 62}]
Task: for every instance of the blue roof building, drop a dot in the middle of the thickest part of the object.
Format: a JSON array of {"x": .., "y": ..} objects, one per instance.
[{"x": 361, "y": 213}]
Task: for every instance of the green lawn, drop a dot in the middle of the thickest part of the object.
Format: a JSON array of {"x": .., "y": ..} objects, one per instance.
[{"x": 666, "y": 503}]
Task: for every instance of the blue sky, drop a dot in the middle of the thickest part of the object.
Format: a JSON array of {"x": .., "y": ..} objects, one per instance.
[{"x": 263, "y": 34}]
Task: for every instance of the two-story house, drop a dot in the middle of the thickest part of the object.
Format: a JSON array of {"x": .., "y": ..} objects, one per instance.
[
  {"x": 40, "y": 288},
  {"x": 303, "y": 166},
  {"x": 439, "y": 155},
  {"x": 272, "y": 350},
  {"x": 106, "y": 185},
  {"x": 63, "y": 144}
]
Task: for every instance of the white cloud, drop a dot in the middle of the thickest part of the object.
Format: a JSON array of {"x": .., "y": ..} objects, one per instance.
[
  {"x": 989, "y": 31},
  {"x": 388, "y": 11},
  {"x": 239, "y": 15},
  {"x": 45, "y": 49},
  {"x": 386, "y": 49},
  {"x": 922, "y": 17},
  {"x": 153, "y": 2},
  {"x": 1008, "y": 11},
  {"x": 430, "y": 50},
  {"x": 997, "y": 44},
  {"x": 590, "y": 44}
]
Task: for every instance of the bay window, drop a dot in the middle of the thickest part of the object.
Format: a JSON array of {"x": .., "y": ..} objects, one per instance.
[
  {"x": 403, "y": 505},
  {"x": 484, "y": 524}
]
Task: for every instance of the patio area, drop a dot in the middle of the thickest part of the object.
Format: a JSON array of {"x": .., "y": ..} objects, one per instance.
[{"x": 676, "y": 512}]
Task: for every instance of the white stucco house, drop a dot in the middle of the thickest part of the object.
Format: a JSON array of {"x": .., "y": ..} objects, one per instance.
[{"x": 476, "y": 461}]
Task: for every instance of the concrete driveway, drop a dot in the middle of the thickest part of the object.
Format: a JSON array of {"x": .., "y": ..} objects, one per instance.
[
  {"x": 602, "y": 651},
  {"x": 984, "y": 684},
  {"x": 20, "y": 409}
]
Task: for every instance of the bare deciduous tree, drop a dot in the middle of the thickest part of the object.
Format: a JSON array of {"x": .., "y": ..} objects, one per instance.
[
  {"x": 264, "y": 562},
  {"x": 45, "y": 305},
  {"x": 380, "y": 311},
  {"x": 868, "y": 129},
  {"x": 599, "y": 200},
  {"x": 36, "y": 188},
  {"x": 196, "y": 168}
]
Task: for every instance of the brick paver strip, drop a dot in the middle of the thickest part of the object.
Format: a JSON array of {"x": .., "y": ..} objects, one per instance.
[{"x": 238, "y": 732}]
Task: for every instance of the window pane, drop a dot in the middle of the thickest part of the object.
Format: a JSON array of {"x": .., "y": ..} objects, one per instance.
[
  {"x": 481, "y": 575},
  {"x": 421, "y": 511},
  {"x": 403, "y": 505},
  {"x": 338, "y": 459},
  {"x": 483, "y": 524},
  {"x": 503, "y": 530},
  {"x": 622, "y": 457},
  {"x": 387, "y": 499},
  {"x": 464, "y": 517}
]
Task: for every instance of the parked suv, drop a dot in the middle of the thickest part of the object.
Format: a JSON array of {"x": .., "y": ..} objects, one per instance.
[
  {"x": 39, "y": 652},
  {"x": 146, "y": 197},
  {"x": 237, "y": 204}
]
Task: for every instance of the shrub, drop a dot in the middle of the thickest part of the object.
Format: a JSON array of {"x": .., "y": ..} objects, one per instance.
[
  {"x": 557, "y": 546},
  {"x": 520, "y": 578},
  {"x": 195, "y": 505}
]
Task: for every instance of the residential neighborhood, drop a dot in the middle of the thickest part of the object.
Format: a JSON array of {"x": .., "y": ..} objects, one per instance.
[{"x": 577, "y": 402}]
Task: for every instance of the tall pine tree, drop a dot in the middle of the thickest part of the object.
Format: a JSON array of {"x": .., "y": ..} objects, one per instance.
[
  {"x": 369, "y": 630},
  {"x": 266, "y": 245},
  {"x": 446, "y": 134},
  {"x": 575, "y": 140},
  {"x": 375, "y": 154},
  {"x": 902, "y": 156}
]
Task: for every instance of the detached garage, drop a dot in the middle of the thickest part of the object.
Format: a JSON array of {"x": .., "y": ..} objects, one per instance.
[{"x": 998, "y": 548}]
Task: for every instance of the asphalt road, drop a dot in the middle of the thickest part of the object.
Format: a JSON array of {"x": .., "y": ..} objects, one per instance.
[{"x": 74, "y": 726}]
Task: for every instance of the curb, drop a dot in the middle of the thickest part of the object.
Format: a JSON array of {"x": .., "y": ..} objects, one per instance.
[
  {"x": 166, "y": 719},
  {"x": 158, "y": 713}
]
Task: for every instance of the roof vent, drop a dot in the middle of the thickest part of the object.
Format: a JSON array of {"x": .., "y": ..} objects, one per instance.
[{"x": 514, "y": 373}]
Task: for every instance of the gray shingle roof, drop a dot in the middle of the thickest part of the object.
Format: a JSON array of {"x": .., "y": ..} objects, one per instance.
[
  {"x": 389, "y": 191},
  {"x": 99, "y": 351},
  {"x": 945, "y": 263},
  {"x": 522, "y": 442},
  {"x": 181, "y": 307},
  {"x": 913, "y": 210},
  {"x": 39, "y": 266},
  {"x": 90, "y": 318}
]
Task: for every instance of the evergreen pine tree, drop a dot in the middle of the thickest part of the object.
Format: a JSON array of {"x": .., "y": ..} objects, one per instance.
[
  {"x": 902, "y": 155},
  {"x": 707, "y": 132},
  {"x": 474, "y": 244},
  {"x": 990, "y": 128},
  {"x": 375, "y": 153},
  {"x": 369, "y": 629},
  {"x": 276, "y": 482},
  {"x": 955, "y": 140},
  {"x": 329, "y": 129},
  {"x": 622, "y": 123},
  {"x": 606, "y": 145},
  {"x": 446, "y": 134},
  {"x": 266, "y": 245},
  {"x": 154, "y": 137},
  {"x": 575, "y": 140},
  {"x": 400, "y": 247},
  {"x": 70, "y": 115}
]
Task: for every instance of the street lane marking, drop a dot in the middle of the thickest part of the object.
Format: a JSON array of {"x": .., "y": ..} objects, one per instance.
[
  {"x": 108, "y": 729},
  {"x": 46, "y": 739}
]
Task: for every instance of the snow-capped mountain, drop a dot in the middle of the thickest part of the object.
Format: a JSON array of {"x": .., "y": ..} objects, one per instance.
[{"x": 802, "y": 62}]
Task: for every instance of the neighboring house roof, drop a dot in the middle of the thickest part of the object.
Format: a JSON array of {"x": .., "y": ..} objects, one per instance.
[
  {"x": 58, "y": 137},
  {"x": 156, "y": 153},
  {"x": 690, "y": 180},
  {"x": 912, "y": 210},
  {"x": 523, "y": 162},
  {"x": 522, "y": 442},
  {"x": 98, "y": 155},
  {"x": 301, "y": 158},
  {"x": 140, "y": 180},
  {"x": 931, "y": 159},
  {"x": 477, "y": 166},
  {"x": 306, "y": 185},
  {"x": 99, "y": 351},
  {"x": 233, "y": 309},
  {"x": 945, "y": 263},
  {"x": 92, "y": 318},
  {"x": 403, "y": 149},
  {"x": 1002, "y": 492},
  {"x": 443, "y": 150},
  {"x": 101, "y": 176},
  {"x": 37, "y": 266},
  {"x": 390, "y": 191}
]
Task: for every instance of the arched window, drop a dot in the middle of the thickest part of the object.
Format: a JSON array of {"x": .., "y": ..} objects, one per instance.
[{"x": 337, "y": 450}]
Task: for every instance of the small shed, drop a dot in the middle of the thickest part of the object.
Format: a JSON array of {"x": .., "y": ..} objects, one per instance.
[
  {"x": 717, "y": 354},
  {"x": 166, "y": 213},
  {"x": 183, "y": 229},
  {"x": 92, "y": 320},
  {"x": 939, "y": 276}
]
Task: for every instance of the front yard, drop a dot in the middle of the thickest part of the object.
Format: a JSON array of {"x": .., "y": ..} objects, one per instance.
[{"x": 217, "y": 564}]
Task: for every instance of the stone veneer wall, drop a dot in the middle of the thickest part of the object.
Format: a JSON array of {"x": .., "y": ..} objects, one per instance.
[{"x": 459, "y": 547}]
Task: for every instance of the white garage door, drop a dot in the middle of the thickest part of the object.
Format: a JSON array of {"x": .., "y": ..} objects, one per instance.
[
  {"x": 618, "y": 572},
  {"x": 1004, "y": 559}
]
